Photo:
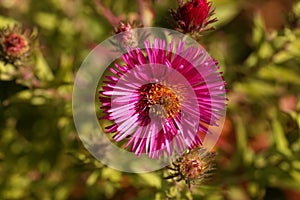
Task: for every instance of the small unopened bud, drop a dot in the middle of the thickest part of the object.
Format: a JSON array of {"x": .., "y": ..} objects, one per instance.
[
  {"x": 128, "y": 38},
  {"x": 193, "y": 16}
]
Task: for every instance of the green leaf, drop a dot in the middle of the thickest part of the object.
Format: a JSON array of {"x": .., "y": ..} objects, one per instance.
[
  {"x": 42, "y": 68},
  {"x": 242, "y": 141},
  {"x": 46, "y": 20},
  {"x": 5, "y": 21},
  {"x": 256, "y": 88},
  {"x": 7, "y": 72},
  {"x": 252, "y": 60},
  {"x": 296, "y": 164},
  {"x": 225, "y": 11},
  {"x": 280, "y": 140},
  {"x": 93, "y": 178},
  {"x": 151, "y": 179},
  {"x": 258, "y": 31},
  {"x": 280, "y": 74},
  {"x": 111, "y": 174},
  {"x": 282, "y": 57},
  {"x": 294, "y": 47},
  {"x": 265, "y": 51},
  {"x": 296, "y": 175}
]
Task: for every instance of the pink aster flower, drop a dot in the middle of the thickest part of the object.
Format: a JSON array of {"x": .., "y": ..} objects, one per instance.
[{"x": 161, "y": 100}]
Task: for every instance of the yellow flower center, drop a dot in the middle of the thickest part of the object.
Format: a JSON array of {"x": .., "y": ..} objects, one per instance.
[{"x": 160, "y": 100}]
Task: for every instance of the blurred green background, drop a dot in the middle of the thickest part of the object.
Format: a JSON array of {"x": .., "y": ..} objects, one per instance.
[{"x": 257, "y": 44}]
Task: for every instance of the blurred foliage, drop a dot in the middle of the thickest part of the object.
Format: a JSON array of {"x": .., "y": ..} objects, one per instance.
[{"x": 257, "y": 45}]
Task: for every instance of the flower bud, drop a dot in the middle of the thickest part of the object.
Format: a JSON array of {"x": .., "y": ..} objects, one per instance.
[
  {"x": 15, "y": 44},
  {"x": 193, "y": 16}
]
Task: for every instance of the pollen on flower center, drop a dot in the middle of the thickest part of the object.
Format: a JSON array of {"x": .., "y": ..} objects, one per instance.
[{"x": 159, "y": 100}]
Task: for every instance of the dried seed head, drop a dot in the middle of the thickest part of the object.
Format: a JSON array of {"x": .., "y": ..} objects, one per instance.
[{"x": 194, "y": 166}]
